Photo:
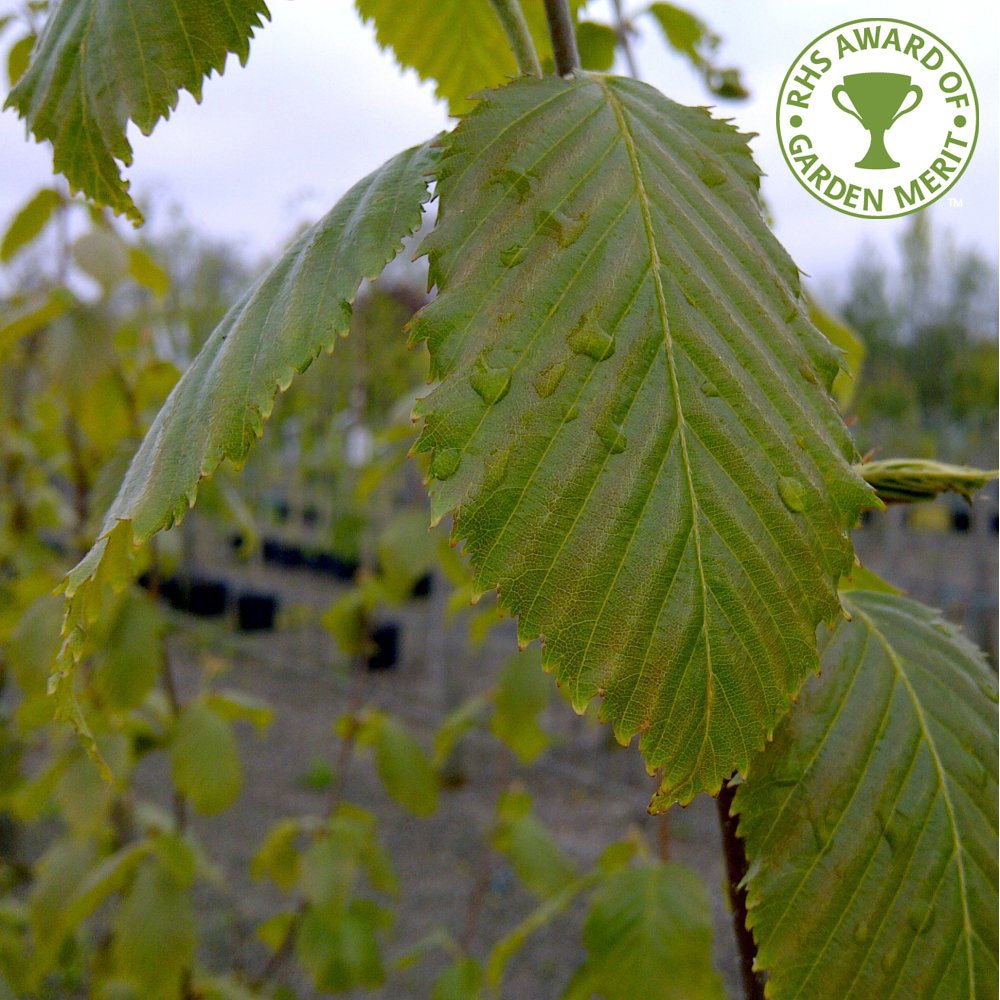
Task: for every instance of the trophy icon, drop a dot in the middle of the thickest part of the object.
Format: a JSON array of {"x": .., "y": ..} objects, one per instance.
[{"x": 878, "y": 100}]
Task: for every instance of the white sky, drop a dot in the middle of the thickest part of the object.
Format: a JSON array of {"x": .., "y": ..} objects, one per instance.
[{"x": 318, "y": 106}]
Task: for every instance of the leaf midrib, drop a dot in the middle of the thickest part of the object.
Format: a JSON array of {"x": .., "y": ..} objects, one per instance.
[{"x": 668, "y": 346}]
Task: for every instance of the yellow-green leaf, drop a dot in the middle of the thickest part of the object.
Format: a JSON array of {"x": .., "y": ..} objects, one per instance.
[
  {"x": 205, "y": 759},
  {"x": 459, "y": 44},
  {"x": 29, "y": 222}
]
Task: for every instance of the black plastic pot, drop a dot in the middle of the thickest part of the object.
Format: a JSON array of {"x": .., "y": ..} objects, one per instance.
[
  {"x": 332, "y": 565},
  {"x": 174, "y": 592},
  {"x": 207, "y": 598},
  {"x": 256, "y": 612},
  {"x": 385, "y": 639},
  {"x": 278, "y": 554},
  {"x": 272, "y": 551},
  {"x": 960, "y": 521}
]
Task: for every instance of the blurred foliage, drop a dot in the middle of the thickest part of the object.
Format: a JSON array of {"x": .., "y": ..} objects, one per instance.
[
  {"x": 929, "y": 383},
  {"x": 101, "y": 876}
]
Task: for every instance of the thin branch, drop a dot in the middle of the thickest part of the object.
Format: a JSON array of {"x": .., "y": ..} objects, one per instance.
[
  {"x": 736, "y": 869},
  {"x": 170, "y": 689},
  {"x": 516, "y": 29},
  {"x": 563, "y": 36},
  {"x": 623, "y": 29}
]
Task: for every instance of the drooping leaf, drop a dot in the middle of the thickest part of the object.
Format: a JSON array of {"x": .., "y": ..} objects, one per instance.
[
  {"x": 29, "y": 222},
  {"x": 648, "y": 934},
  {"x": 218, "y": 408},
  {"x": 633, "y": 424},
  {"x": 99, "y": 64},
  {"x": 871, "y": 821},
  {"x": 459, "y": 44}
]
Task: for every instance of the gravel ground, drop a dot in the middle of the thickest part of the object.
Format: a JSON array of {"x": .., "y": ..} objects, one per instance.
[{"x": 589, "y": 791}]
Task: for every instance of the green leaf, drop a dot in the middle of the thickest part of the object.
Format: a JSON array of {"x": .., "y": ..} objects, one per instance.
[
  {"x": 130, "y": 661},
  {"x": 205, "y": 759},
  {"x": 459, "y": 44},
  {"x": 633, "y": 423},
  {"x": 278, "y": 857},
  {"x": 144, "y": 270},
  {"x": 461, "y": 980},
  {"x": 33, "y": 318},
  {"x": 218, "y": 408},
  {"x": 404, "y": 768},
  {"x": 101, "y": 882},
  {"x": 154, "y": 934},
  {"x": 522, "y": 693},
  {"x": 32, "y": 648},
  {"x": 649, "y": 934},
  {"x": 102, "y": 255},
  {"x": 406, "y": 551},
  {"x": 29, "y": 222},
  {"x": 529, "y": 846},
  {"x": 871, "y": 821},
  {"x": 514, "y": 940},
  {"x": 345, "y": 954},
  {"x": 685, "y": 33},
  {"x": 693, "y": 39},
  {"x": 910, "y": 480},
  {"x": 238, "y": 706},
  {"x": 455, "y": 725},
  {"x": 596, "y": 43},
  {"x": 59, "y": 876},
  {"x": 99, "y": 65},
  {"x": 17, "y": 58}
]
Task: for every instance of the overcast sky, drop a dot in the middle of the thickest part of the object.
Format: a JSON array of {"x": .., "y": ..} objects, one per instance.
[{"x": 318, "y": 106}]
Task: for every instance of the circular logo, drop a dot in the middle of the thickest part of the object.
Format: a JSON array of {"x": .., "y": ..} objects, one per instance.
[{"x": 877, "y": 118}]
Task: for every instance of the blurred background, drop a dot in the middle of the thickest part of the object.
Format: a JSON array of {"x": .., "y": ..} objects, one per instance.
[{"x": 301, "y": 654}]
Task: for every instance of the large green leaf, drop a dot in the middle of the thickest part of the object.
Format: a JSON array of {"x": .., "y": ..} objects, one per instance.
[
  {"x": 870, "y": 822},
  {"x": 459, "y": 44},
  {"x": 633, "y": 424},
  {"x": 102, "y": 63},
  {"x": 218, "y": 408}
]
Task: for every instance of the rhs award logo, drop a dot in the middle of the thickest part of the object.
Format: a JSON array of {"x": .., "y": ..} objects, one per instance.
[{"x": 877, "y": 118}]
